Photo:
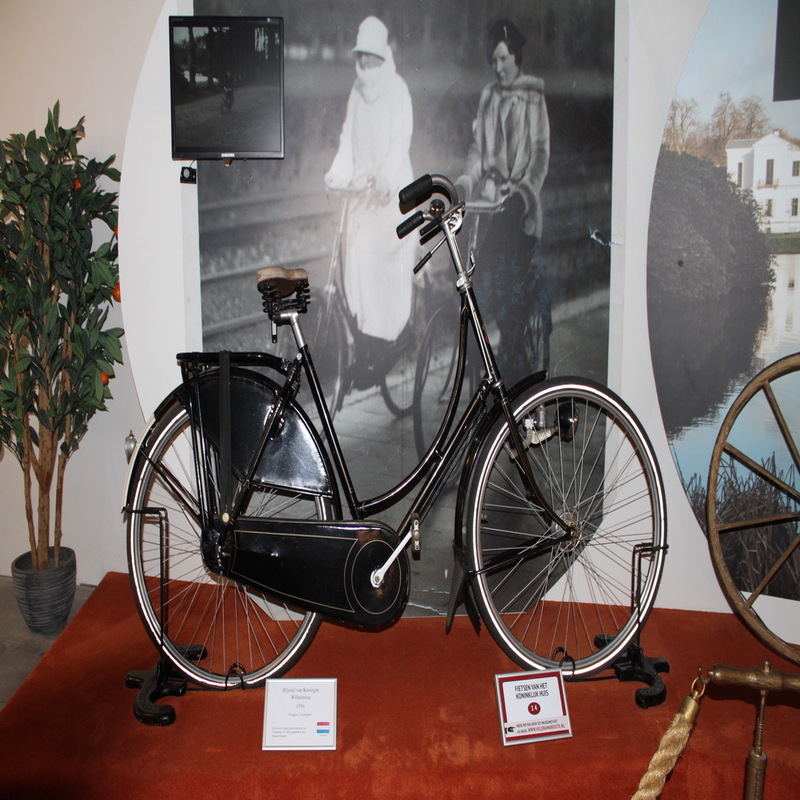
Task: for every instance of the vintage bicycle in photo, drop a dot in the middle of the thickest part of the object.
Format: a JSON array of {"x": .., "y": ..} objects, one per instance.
[
  {"x": 245, "y": 528},
  {"x": 344, "y": 361}
]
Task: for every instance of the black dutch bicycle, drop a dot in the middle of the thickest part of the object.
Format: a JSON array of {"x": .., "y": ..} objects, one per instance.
[{"x": 245, "y": 529}]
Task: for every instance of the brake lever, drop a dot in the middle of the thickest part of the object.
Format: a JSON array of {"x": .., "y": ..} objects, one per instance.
[{"x": 427, "y": 257}]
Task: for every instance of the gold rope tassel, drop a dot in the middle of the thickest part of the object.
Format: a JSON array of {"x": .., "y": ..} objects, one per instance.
[{"x": 672, "y": 745}]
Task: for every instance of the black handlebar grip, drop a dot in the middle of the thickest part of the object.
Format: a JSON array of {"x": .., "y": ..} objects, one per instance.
[
  {"x": 417, "y": 191},
  {"x": 409, "y": 224}
]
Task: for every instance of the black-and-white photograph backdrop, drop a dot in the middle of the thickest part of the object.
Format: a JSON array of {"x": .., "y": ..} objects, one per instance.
[{"x": 513, "y": 102}]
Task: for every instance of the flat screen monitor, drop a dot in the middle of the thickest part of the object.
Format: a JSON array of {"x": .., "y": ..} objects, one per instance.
[{"x": 226, "y": 80}]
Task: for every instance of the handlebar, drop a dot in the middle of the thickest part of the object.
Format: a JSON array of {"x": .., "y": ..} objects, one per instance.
[
  {"x": 417, "y": 192},
  {"x": 409, "y": 224},
  {"x": 441, "y": 217},
  {"x": 426, "y": 185}
]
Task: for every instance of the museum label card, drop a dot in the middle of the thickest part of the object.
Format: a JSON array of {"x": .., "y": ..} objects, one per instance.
[
  {"x": 533, "y": 707},
  {"x": 300, "y": 714}
]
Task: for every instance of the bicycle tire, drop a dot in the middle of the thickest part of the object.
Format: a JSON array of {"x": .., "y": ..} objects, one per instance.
[
  {"x": 434, "y": 374},
  {"x": 397, "y": 383},
  {"x": 218, "y": 633},
  {"x": 330, "y": 351},
  {"x": 753, "y": 506},
  {"x": 571, "y": 606}
]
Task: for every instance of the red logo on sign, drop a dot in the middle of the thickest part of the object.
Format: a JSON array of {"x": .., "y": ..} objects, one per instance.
[{"x": 534, "y": 709}]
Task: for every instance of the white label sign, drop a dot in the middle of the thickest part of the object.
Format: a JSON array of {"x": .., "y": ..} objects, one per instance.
[
  {"x": 532, "y": 706},
  {"x": 300, "y": 714}
]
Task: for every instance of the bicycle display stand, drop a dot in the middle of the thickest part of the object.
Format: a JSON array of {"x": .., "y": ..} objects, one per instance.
[
  {"x": 163, "y": 680},
  {"x": 166, "y": 680},
  {"x": 636, "y": 666}
]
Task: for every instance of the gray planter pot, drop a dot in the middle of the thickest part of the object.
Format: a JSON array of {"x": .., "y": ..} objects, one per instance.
[{"x": 45, "y": 597}]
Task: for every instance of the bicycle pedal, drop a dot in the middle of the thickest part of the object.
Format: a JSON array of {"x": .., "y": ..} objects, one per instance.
[{"x": 416, "y": 537}]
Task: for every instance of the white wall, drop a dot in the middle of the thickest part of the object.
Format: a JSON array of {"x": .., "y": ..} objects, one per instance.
[
  {"x": 119, "y": 83},
  {"x": 655, "y": 38},
  {"x": 159, "y": 246}
]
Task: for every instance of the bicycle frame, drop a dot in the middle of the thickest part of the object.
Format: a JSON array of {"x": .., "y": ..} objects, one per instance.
[
  {"x": 367, "y": 553},
  {"x": 238, "y": 541},
  {"x": 434, "y": 468}
]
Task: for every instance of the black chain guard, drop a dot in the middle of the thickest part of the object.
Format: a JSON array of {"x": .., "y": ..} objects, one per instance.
[{"x": 325, "y": 567}]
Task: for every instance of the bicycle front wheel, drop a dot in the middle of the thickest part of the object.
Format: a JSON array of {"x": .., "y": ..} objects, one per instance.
[
  {"x": 218, "y": 633},
  {"x": 573, "y": 599},
  {"x": 753, "y": 506}
]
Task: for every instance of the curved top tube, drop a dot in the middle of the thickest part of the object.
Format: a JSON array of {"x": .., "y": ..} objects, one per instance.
[{"x": 445, "y": 220}]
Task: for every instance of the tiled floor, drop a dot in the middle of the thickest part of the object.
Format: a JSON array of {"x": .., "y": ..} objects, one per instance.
[{"x": 20, "y": 649}]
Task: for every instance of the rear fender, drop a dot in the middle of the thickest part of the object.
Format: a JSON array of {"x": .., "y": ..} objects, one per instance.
[{"x": 294, "y": 459}]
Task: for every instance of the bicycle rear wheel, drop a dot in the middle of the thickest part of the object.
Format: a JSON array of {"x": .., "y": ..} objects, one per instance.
[
  {"x": 218, "y": 633},
  {"x": 753, "y": 506},
  {"x": 571, "y": 601},
  {"x": 397, "y": 383}
]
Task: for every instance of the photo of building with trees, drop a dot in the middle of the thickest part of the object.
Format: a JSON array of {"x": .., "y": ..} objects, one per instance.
[{"x": 724, "y": 244}]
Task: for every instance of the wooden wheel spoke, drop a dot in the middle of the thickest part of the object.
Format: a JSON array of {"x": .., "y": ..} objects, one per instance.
[
  {"x": 781, "y": 420},
  {"x": 758, "y": 522},
  {"x": 772, "y": 572},
  {"x": 762, "y": 472}
]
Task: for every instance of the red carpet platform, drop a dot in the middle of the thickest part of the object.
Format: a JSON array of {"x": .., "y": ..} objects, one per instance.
[{"x": 417, "y": 719}]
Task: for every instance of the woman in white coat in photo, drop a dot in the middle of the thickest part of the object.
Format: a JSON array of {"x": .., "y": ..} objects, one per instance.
[{"x": 373, "y": 162}]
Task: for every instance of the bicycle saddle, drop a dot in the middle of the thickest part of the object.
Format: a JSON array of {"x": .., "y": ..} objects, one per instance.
[{"x": 283, "y": 281}]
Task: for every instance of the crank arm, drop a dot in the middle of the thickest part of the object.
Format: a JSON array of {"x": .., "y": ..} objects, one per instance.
[{"x": 379, "y": 574}]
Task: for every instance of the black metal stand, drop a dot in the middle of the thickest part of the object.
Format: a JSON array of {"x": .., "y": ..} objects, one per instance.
[
  {"x": 153, "y": 684},
  {"x": 163, "y": 680},
  {"x": 636, "y": 666}
]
